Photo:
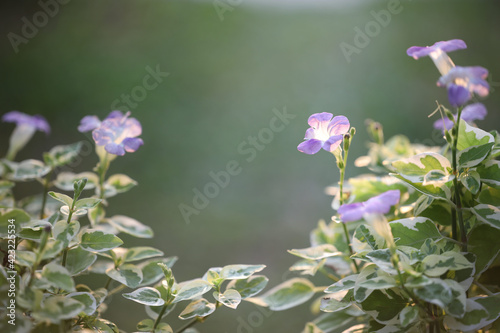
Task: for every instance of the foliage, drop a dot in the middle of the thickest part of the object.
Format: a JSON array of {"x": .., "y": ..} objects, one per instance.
[
  {"x": 51, "y": 243},
  {"x": 414, "y": 247}
]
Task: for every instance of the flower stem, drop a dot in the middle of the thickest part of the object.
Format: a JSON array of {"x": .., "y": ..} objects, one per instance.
[
  {"x": 160, "y": 316},
  {"x": 341, "y": 202},
  {"x": 46, "y": 184},
  {"x": 457, "y": 199}
]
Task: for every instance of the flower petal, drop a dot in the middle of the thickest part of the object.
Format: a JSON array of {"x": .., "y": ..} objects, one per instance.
[
  {"x": 351, "y": 212},
  {"x": 311, "y": 146},
  {"x": 458, "y": 95},
  {"x": 132, "y": 144},
  {"x": 476, "y": 111},
  {"x": 338, "y": 125},
  {"x": 382, "y": 203},
  {"x": 445, "y": 46},
  {"x": 333, "y": 142},
  {"x": 37, "y": 121},
  {"x": 441, "y": 124},
  {"x": 114, "y": 149},
  {"x": 115, "y": 114},
  {"x": 89, "y": 123},
  {"x": 316, "y": 120}
]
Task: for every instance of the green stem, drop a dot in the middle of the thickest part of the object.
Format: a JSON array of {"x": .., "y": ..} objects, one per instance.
[
  {"x": 160, "y": 316},
  {"x": 43, "y": 242},
  {"x": 108, "y": 283},
  {"x": 341, "y": 202},
  {"x": 65, "y": 255},
  {"x": 328, "y": 275},
  {"x": 46, "y": 184},
  {"x": 457, "y": 199}
]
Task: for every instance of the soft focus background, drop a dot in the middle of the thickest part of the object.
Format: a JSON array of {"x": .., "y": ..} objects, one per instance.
[{"x": 230, "y": 63}]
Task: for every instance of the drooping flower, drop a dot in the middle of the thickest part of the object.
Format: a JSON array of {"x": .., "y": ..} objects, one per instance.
[
  {"x": 325, "y": 132},
  {"x": 470, "y": 113},
  {"x": 437, "y": 53},
  {"x": 380, "y": 204},
  {"x": 26, "y": 126},
  {"x": 117, "y": 133},
  {"x": 37, "y": 122},
  {"x": 461, "y": 82}
]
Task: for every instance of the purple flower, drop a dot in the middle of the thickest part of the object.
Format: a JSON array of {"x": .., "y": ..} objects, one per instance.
[
  {"x": 462, "y": 82},
  {"x": 117, "y": 133},
  {"x": 445, "y": 46},
  {"x": 380, "y": 204},
  {"x": 325, "y": 132},
  {"x": 437, "y": 53},
  {"x": 476, "y": 111},
  {"x": 37, "y": 122}
]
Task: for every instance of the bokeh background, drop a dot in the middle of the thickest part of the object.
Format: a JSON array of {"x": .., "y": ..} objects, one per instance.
[{"x": 230, "y": 63}]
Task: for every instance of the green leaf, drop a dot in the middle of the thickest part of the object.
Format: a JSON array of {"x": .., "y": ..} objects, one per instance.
[
  {"x": 58, "y": 277},
  {"x": 360, "y": 292},
  {"x": 98, "y": 241},
  {"x": 61, "y": 155},
  {"x": 415, "y": 168},
  {"x": 435, "y": 210},
  {"x": 68, "y": 201},
  {"x": 78, "y": 260},
  {"x": 87, "y": 203},
  {"x": 382, "y": 258},
  {"x": 381, "y": 281},
  {"x": 337, "y": 301},
  {"x": 30, "y": 170},
  {"x": 366, "y": 187},
  {"x": 471, "y": 180},
  {"x": 316, "y": 252},
  {"x": 230, "y": 298},
  {"x": 250, "y": 286},
  {"x": 165, "y": 328},
  {"x": 488, "y": 214},
  {"x": 366, "y": 239},
  {"x": 191, "y": 290},
  {"x": 57, "y": 308},
  {"x": 383, "y": 306},
  {"x": 145, "y": 325},
  {"x": 483, "y": 242},
  {"x": 472, "y": 156},
  {"x": 489, "y": 196},
  {"x": 17, "y": 216},
  {"x": 127, "y": 274},
  {"x": 414, "y": 231},
  {"x": 130, "y": 226},
  {"x": 438, "y": 191},
  {"x": 490, "y": 173},
  {"x": 25, "y": 258},
  {"x": 199, "y": 308},
  {"x": 65, "y": 232},
  {"x": 408, "y": 315},
  {"x": 447, "y": 294},
  {"x": 151, "y": 272},
  {"x": 140, "y": 253},
  {"x": 307, "y": 267},
  {"x": 344, "y": 284},
  {"x": 469, "y": 136},
  {"x": 435, "y": 265},
  {"x": 118, "y": 183},
  {"x": 65, "y": 180},
  {"x": 287, "y": 294},
  {"x": 87, "y": 300},
  {"x": 146, "y": 296},
  {"x": 235, "y": 272}
]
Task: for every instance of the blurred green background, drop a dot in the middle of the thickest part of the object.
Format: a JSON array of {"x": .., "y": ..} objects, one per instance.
[{"x": 225, "y": 78}]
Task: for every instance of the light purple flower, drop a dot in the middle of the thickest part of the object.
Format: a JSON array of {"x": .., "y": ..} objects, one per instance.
[
  {"x": 117, "y": 133},
  {"x": 380, "y": 204},
  {"x": 37, "y": 121},
  {"x": 437, "y": 53},
  {"x": 325, "y": 132},
  {"x": 461, "y": 82},
  {"x": 476, "y": 111}
]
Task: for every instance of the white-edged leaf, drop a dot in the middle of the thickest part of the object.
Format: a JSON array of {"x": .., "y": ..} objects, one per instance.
[
  {"x": 130, "y": 226},
  {"x": 146, "y": 295}
]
